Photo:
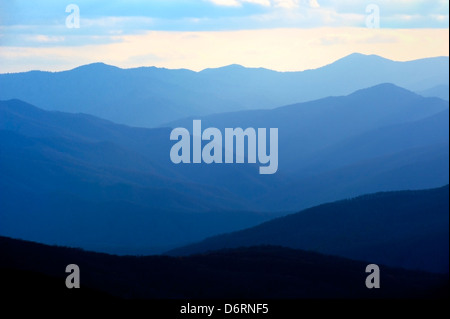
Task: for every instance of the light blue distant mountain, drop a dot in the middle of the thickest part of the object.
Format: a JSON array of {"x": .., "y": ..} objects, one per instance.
[
  {"x": 150, "y": 96},
  {"x": 440, "y": 91}
]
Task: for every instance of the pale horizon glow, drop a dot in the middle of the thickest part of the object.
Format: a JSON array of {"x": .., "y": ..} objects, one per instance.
[
  {"x": 291, "y": 49},
  {"x": 282, "y": 35}
]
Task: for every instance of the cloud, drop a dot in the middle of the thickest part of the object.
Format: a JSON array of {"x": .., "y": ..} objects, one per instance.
[
  {"x": 279, "y": 49},
  {"x": 314, "y": 4},
  {"x": 227, "y": 3},
  {"x": 379, "y": 38},
  {"x": 145, "y": 59},
  {"x": 40, "y": 38},
  {"x": 393, "y": 13},
  {"x": 288, "y": 4},
  {"x": 25, "y": 23},
  {"x": 333, "y": 40}
]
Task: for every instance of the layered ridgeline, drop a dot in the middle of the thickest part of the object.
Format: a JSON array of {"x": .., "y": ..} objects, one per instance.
[
  {"x": 35, "y": 271},
  {"x": 73, "y": 179},
  {"x": 380, "y": 138},
  {"x": 81, "y": 181},
  {"x": 150, "y": 96},
  {"x": 440, "y": 91},
  {"x": 408, "y": 229}
]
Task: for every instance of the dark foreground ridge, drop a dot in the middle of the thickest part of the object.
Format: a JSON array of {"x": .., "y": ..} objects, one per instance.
[
  {"x": 405, "y": 229},
  {"x": 31, "y": 270}
]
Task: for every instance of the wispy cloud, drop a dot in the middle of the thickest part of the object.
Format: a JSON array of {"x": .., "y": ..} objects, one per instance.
[
  {"x": 268, "y": 3},
  {"x": 279, "y": 49},
  {"x": 38, "y": 27}
]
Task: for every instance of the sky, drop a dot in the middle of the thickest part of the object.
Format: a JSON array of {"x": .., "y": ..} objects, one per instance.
[{"x": 283, "y": 35}]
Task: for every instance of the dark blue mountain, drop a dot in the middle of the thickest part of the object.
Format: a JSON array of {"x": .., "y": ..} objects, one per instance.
[
  {"x": 94, "y": 184},
  {"x": 408, "y": 229},
  {"x": 375, "y": 139},
  {"x": 247, "y": 273},
  {"x": 151, "y": 96},
  {"x": 133, "y": 155},
  {"x": 126, "y": 196}
]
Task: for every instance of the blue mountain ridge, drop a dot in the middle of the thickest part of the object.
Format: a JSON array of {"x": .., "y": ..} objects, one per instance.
[
  {"x": 90, "y": 183},
  {"x": 149, "y": 96},
  {"x": 407, "y": 229}
]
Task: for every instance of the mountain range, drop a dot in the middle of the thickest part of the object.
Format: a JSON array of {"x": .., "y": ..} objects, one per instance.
[
  {"x": 150, "y": 97},
  {"x": 362, "y": 178},
  {"x": 407, "y": 229},
  {"x": 379, "y": 138},
  {"x": 91, "y": 183},
  {"x": 98, "y": 185}
]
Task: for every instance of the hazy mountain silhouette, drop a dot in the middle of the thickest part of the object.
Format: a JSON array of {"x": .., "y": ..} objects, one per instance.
[
  {"x": 37, "y": 271},
  {"x": 311, "y": 126},
  {"x": 408, "y": 229},
  {"x": 134, "y": 154},
  {"x": 126, "y": 196},
  {"x": 94, "y": 184},
  {"x": 432, "y": 130},
  {"x": 150, "y": 96},
  {"x": 387, "y": 135},
  {"x": 440, "y": 91}
]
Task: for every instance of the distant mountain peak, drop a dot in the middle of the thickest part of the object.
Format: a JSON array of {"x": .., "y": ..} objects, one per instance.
[
  {"x": 361, "y": 56},
  {"x": 384, "y": 89},
  {"x": 96, "y": 66},
  {"x": 358, "y": 54},
  {"x": 353, "y": 60},
  {"x": 234, "y": 68},
  {"x": 230, "y": 67}
]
